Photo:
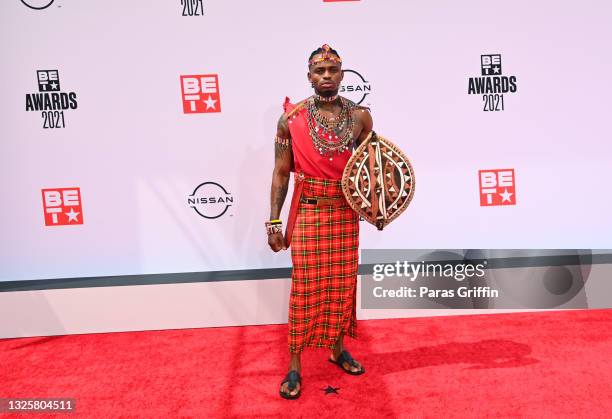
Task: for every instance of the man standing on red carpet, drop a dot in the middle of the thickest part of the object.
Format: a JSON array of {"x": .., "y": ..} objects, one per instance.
[{"x": 314, "y": 139}]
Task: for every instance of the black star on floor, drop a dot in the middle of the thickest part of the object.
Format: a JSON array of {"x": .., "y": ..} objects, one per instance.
[{"x": 329, "y": 389}]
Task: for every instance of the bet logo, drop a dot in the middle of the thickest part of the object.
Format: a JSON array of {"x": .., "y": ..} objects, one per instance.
[
  {"x": 62, "y": 206},
  {"x": 200, "y": 93},
  {"x": 497, "y": 187}
]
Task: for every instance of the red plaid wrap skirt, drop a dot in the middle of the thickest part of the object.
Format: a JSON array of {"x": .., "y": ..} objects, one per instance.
[{"x": 324, "y": 251}]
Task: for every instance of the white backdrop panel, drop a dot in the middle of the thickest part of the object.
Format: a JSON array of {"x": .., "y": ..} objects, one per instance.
[{"x": 136, "y": 156}]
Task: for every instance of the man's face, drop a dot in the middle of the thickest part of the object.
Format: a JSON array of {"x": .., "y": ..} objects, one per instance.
[{"x": 326, "y": 77}]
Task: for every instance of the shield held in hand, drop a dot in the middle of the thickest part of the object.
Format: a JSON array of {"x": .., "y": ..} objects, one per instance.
[{"x": 378, "y": 181}]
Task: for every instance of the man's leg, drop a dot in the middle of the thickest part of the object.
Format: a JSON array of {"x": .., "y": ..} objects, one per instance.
[
  {"x": 295, "y": 364},
  {"x": 338, "y": 350}
]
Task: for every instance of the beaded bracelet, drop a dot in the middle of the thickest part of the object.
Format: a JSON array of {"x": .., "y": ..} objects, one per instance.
[
  {"x": 283, "y": 143},
  {"x": 274, "y": 226}
]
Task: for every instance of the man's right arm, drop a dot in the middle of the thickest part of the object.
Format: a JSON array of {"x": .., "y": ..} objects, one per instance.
[{"x": 283, "y": 159}]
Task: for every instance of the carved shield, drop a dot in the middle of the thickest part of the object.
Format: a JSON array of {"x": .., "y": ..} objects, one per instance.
[{"x": 378, "y": 181}]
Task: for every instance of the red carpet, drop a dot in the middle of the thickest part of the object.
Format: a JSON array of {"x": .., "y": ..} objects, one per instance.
[{"x": 553, "y": 364}]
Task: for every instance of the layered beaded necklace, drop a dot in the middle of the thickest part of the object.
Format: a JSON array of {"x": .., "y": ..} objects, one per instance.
[{"x": 330, "y": 135}]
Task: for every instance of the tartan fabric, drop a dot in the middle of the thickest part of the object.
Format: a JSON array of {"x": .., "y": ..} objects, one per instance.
[{"x": 324, "y": 251}]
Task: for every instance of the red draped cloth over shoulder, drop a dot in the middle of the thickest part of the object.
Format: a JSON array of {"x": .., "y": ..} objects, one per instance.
[{"x": 324, "y": 245}]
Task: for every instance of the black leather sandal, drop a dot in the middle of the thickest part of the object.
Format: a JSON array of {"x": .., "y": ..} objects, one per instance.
[
  {"x": 346, "y": 357},
  {"x": 293, "y": 378}
]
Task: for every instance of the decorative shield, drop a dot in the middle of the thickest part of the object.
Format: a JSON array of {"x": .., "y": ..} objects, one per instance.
[{"x": 378, "y": 181}]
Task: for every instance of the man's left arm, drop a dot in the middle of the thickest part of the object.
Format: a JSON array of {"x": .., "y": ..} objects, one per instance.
[{"x": 365, "y": 122}]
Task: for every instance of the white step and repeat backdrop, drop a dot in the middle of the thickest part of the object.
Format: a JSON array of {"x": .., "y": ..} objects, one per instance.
[{"x": 137, "y": 137}]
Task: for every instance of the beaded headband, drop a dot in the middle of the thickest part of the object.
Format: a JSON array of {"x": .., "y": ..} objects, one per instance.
[{"x": 325, "y": 55}]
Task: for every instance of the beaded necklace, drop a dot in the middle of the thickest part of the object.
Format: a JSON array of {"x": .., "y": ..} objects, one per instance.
[{"x": 330, "y": 135}]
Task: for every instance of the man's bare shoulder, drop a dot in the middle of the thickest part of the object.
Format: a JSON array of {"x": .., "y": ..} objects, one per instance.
[
  {"x": 282, "y": 127},
  {"x": 363, "y": 115},
  {"x": 359, "y": 112},
  {"x": 283, "y": 121}
]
